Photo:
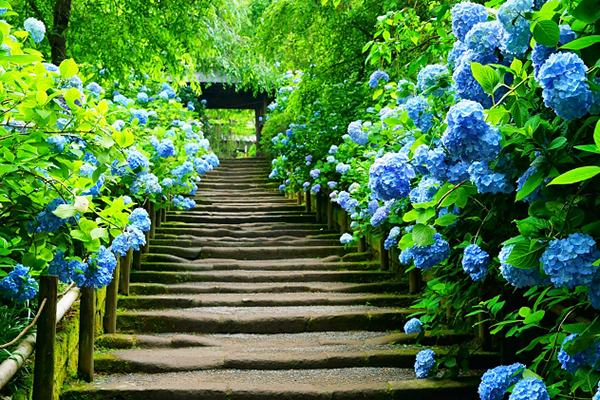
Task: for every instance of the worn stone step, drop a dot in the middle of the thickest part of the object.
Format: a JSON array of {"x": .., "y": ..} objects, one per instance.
[
  {"x": 261, "y": 265},
  {"x": 245, "y": 207},
  {"x": 222, "y": 231},
  {"x": 195, "y": 241},
  {"x": 191, "y": 217},
  {"x": 253, "y": 226},
  {"x": 259, "y": 276},
  {"x": 284, "y": 358},
  {"x": 152, "y": 288},
  {"x": 204, "y": 185},
  {"x": 263, "y": 300},
  {"x": 254, "y": 200},
  {"x": 263, "y": 319},
  {"x": 319, "y": 384},
  {"x": 243, "y": 253},
  {"x": 226, "y": 178}
]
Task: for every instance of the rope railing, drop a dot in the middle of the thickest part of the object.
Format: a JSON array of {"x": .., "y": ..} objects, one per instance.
[{"x": 31, "y": 325}]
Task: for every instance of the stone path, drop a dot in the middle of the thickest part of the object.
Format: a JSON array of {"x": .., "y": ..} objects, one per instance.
[{"x": 241, "y": 299}]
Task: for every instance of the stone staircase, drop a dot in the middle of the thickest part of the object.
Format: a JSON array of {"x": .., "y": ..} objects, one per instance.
[{"x": 245, "y": 297}]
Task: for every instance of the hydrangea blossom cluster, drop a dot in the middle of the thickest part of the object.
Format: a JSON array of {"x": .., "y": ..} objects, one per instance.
[
  {"x": 19, "y": 285},
  {"x": 475, "y": 262},
  {"x": 314, "y": 173},
  {"x": 392, "y": 239},
  {"x": 541, "y": 53},
  {"x": 342, "y": 168},
  {"x": 424, "y": 362},
  {"x": 519, "y": 277},
  {"x": 425, "y": 190},
  {"x": 571, "y": 363},
  {"x": 376, "y": 77},
  {"x": 484, "y": 37},
  {"x": 136, "y": 159},
  {"x": 517, "y": 33},
  {"x": 381, "y": 215},
  {"x": 465, "y": 16},
  {"x": 35, "y": 28},
  {"x": 185, "y": 202},
  {"x": 530, "y": 389},
  {"x": 346, "y": 238},
  {"x": 488, "y": 181},
  {"x": 495, "y": 382},
  {"x": 390, "y": 176},
  {"x": 60, "y": 266},
  {"x": 414, "y": 325},
  {"x": 357, "y": 134},
  {"x": 425, "y": 257},
  {"x": 537, "y": 193},
  {"x": 429, "y": 77},
  {"x": 140, "y": 219},
  {"x": 419, "y": 111},
  {"x": 97, "y": 272}
]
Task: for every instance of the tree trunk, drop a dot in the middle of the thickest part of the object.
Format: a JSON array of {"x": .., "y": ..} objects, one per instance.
[{"x": 58, "y": 43}]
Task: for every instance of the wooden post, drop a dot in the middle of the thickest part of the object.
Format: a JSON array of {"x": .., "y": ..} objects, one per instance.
[
  {"x": 43, "y": 377},
  {"x": 299, "y": 198},
  {"x": 330, "y": 221},
  {"x": 483, "y": 332},
  {"x": 164, "y": 214},
  {"x": 137, "y": 260},
  {"x": 385, "y": 256},
  {"x": 414, "y": 281},
  {"x": 308, "y": 201},
  {"x": 344, "y": 222},
  {"x": 362, "y": 245},
  {"x": 319, "y": 210},
  {"x": 110, "y": 307},
  {"x": 124, "y": 275},
  {"x": 159, "y": 217},
  {"x": 152, "y": 213},
  {"x": 87, "y": 314}
]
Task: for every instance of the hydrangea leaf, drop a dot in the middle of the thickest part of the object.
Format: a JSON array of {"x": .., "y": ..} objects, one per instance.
[
  {"x": 546, "y": 32},
  {"x": 423, "y": 235},
  {"x": 486, "y": 76},
  {"x": 582, "y": 43},
  {"x": 68, "y": 68},
  {"x": 530, "y": 185},
  {"x": 65, "y": 211},
  {"x": 588, "y": 11},
  {"x": 525, "y": 256},
  {"x": 446, "y": 220},
  {"x": 576, "y": 175}
]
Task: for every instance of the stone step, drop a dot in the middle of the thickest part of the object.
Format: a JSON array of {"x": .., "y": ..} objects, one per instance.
[
  {"x": 319, "y": 384},
  {"x": 285, "y": 358},
  {"x": 261, "y": 265},
  {"x": 203, "y": 185},
  {"x": 158, "y": 253},
  {"x": 263, "y": 300},
  {"x": 286, "y": 241},
  {"x": 253, "y": 226},
  {"x": 244, "y": 207},
  {"x": 199, "y": 218},
  {"x": 263, "y": 320},
  {"x": 152, "y": 288},
  {"x": 240, "y": 193},
  {"x": 259, "y": 276},
  {"x": 222, "y": 231}
]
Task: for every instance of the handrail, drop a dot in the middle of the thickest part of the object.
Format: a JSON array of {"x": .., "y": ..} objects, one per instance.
[{"x": 11, "y": 365}]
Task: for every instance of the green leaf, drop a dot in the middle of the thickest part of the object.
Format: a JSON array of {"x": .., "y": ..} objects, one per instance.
[
  {"x": 68, "y": 68},
  {"x": 576, "y": 175},
  {"x": 486, "y": 76},
  {"x": 535, "y": 317},
  {"x": 558, "y": 143},
  {"x": 597, "y": 135},
  {"x": 410, "y": 216},
  {"x": 65, "y": 211},
  {"x": 582, "y": 43},
  {"x": 546, "y": 32},
  {"x": 523, "y": 255},
  {"x": 588, "y": 11},
  {"x": 590, "y": 148},
  {"x": 423, "y": 235},
  {"x": 524, "y": 312},
  {"x": 530, "y": 185},
  {"x": 426, "y": 215},
  {"x": 98, "y": 233},
  {"x": 446, "y": 220},
  {"x": 406, "y": 241},
  {"x": 574, "y": 328},
  {"x": 22, "y": 59}
]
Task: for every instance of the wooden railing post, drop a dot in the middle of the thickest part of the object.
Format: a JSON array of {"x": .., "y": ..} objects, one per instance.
[
  {"x": 137, "y": 260},
  {"x": 43, "y": 377},
  {"x": 158, "y": 214},
  {"x": 152, "y": 213},
  {"x": 299, "y": 198},
  {"x": 87, "y": 314},
  {"x": 112, "y": 295},
  {"x": 385, "y": 255},
  {"x": 125, "y": 272},
  {"x": 164, "y": 214},
  {"x": 362, "y": 245},
  {"x": 330, "y": 221},
  {"x": 308, "y": 201},
  {"x": 344, "y": 221},
  {"x": 414, "y": 281},
  {"x": 319, "y": 210}
]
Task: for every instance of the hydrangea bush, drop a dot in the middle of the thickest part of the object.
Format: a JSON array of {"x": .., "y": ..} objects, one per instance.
[{"x": 480, "y": 169}]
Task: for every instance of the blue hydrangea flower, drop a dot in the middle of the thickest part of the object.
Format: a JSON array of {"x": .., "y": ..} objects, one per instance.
[
  {"x": 420, "y": 159},
  {"x": 565, "y": 90},
  {"x": 517, "y": 33},
  {"x": 58, "y": 142},
  {"x": 392, "y": 239},
  {"x": 136, "y": 159},
  {"x": 98, "y": 272},
  {"x": 425, "y": 257},
  {"x": 488, "y": 181},
  {"x": 430, "y": 76},
  {"x": 372, "y": 207},
  {"x": 425, "y": 190},
  {"x": 342, "y": 168},
  {"x": 468, "y": 136},
  {"x": 46, "y": 220},
  {"x": 414, "y": 325},
  {"x": 529, "y": 389},
  {"x": 454, "y": 56},
  {"x": 314, "y": 173},
  {"x": 570, "y": 363},
  {"x": 458, "y": 172},
  {"x": 167, "y": 182},
  {"x": 142, "y": 97},
  {"x": 191, "y": 148},
  {"x": 333, "y": 149},
  {"x": 537, "y": 193},
  {"x": 19, "y": 285},
  {"x": 212, "y": 159},
  {"x": 569, "y": 262},
  {"x": 376, "y": 77},
  {"x": 357, "y": 134},
  {"x": 35, "y": 28},
  {"x": 282, "y": 187},
  {"x": 165, "y": 148},
  {"x": 424, "y": 362},
  {"x": 190, "y": 106},
  {"x": 390, "y": 176},
  {"x": 141, "y": 115},
  {"x": 541, "y": 53},
  {"x": 127, "y": 200},
  {"x": 183, "y": 169},
  {"x": 94, "y": 88},
  {"x": 594, "y": 294},
  {"x": 169, "y": 90},
  {"x": 495, "y": 382},
  {"x": 118, "y": 125},
  {"x": 419, "y": 111},
  {"x": 140, "y": 219},
  {"x": 346, "y": 238},
  {"x": 465, "y": 16},
  {"x": 475, "y": 262},
  {"x": 465, "y": 84},
  {"x": 60, "y": 267},
  {"x": 316, "y": 188},
  {"x": 436, "y": 163},
  {"x": 519, "y": 277},
  {"x": 119, "y": 98},
  {"x": 305, "y": 185},
  {"x": 380, "y": 215},
  {"x": 484, "y": 38}
]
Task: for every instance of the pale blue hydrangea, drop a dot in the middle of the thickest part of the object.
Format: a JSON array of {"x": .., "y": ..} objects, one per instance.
[
  {"x": 468, "y": 136},
  {"x": 419, "y": 111},
  {"x": 58, "y": 142},
  {"x": 342, "y": 168},
  {"x": 541, "y": 53},
  {"x": 357, "y": 134},
  {"x": 454, "y": 56},
  {"x": 94, "y": 88},
  {"x": 529, "y": 389},
  {"x": 183, "y": 169},
  {"x": 436, "y": 163},
  {"x": 316, "y": 188},
  {"x": 184, "y": 202},
  {"x": 475, "y": 262},
  {"x": 390, "y": 176},
  {"x": 484, "y": 38},
  {"x": 190, "y": 106},
  {"x": 519, "y": 277},
  {"x": 424, "y": 362},
  {"x": 212, "y": 159},
  {"x": 517, "y": 33},
  {"x": 569, "y": 262},
  {"x": 425, "y": 257},
  {"x": 392, "y": 239},
  {"x": 425, "y": 190},
  {"x": 315, "y": 173},
  {"x": 414, "y": 325},
  {"x": 132, "y": 238},
  {"x": 458, "y": 172},
  {"x": 464, "y": 16},
  {"x": 98, "y": 272},
  {"x": 118, "y": 125},
  {"x": 488, "y": 181},
  {"x": 346, "y": 238},
  {"x": 35, "y": 28},
  {"x": 331, "y": 159},
  {"x": 119, "y": 98},
  {"x": 495, "y": 382},
  {"x": 565, "y": 89},
  {"x": 380, "y": 215},
  {"x": 333, "y": 149},
  {"x": 136, "y": 159},
  {"x": 405, "y": 91},
  {"x": 169, "y": 90},
  {"x": 141, "y": 115},
  {"x": 142, "y": 97},
  {"x": 430, "y": 76},
  {"x": 165, "y": 148},
  {"x": 202, "y": 166},
  {"x": 19, "y": 285},
  {"x": 376, "y": 77},
  {"x": 282, "y": 187},
  {"x": 140, "y": 219}
]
